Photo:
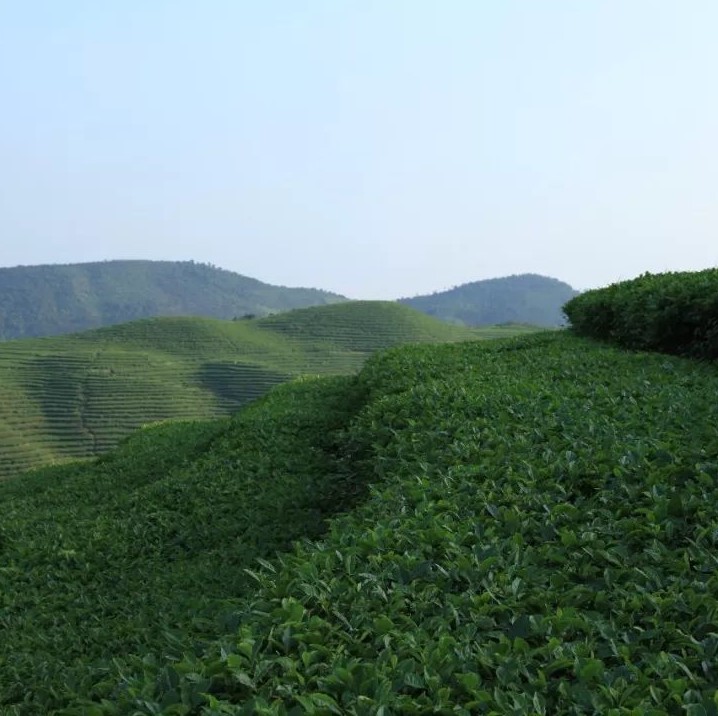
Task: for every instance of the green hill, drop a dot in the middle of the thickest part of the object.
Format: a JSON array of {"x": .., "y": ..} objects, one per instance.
[
  {"x": 523, "y": 299},
  {"x": 78, "y": 395},
  {"x": 528, "y": 527},
  {"x": 54, "y": 300},
  {"x": 57, "y": 299},
  {"x": 371, "y": 325}
]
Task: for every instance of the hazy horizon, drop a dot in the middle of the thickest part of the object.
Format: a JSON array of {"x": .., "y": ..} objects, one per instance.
[{"x": 374, "y": 148}]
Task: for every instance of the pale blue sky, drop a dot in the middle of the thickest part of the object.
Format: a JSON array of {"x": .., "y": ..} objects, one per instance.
[{"x": 378, "y": 148}]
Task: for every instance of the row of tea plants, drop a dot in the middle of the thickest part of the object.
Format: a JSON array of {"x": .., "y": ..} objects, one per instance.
[
  {"x": 541, "y": 537},
  {"x": 671, "y": 313}
]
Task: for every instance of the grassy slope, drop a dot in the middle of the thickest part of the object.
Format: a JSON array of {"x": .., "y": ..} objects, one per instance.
[
  {"x": 60, "y": 299},
  {"x": 540, "y": 538},
  {"x": 75, "y": 396}
]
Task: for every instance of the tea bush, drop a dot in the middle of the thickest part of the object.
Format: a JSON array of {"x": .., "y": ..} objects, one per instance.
[{"x": 670, "y": 312}]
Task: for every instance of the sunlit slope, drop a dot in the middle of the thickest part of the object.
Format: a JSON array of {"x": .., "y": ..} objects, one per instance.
[
  {"x": 75, "y": 396},
  {"x": 364, "y": 325}
]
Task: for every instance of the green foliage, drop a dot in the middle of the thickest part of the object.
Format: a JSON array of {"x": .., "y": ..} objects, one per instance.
[
  {"x": 57, "y": 299},
  {"x": 670, "y": 312},
  {"x": 140, "y": 552},
  {"x": 76, "y": 396},
  {"x": 524, "y": 299},
  {"x": 539, "y": 538}
]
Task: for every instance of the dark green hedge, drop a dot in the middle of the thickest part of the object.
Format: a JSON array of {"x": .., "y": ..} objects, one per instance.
[{"x": 670, "y": 312}]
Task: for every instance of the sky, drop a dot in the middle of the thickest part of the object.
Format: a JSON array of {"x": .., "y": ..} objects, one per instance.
[{"x": 376, "y": 148}]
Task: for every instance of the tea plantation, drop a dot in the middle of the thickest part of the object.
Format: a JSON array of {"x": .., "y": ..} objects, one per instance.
[
  {"x": 525, "y": 526},
  {"x": 76, "y": 396}
]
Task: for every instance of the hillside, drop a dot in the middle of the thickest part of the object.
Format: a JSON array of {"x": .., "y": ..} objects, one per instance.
[
  {"x": 78, "y": 395},
  {"x": 523, "y": 299},
  {"x": 528, "y": 527},
  {"x": 58, "y": 299},
  {"x": 373, "y": 325}
]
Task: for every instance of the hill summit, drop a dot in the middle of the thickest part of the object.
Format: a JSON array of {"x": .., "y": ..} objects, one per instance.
[
  {"x": 524, "y": 298},
  {"x": 56, "y": 299}
]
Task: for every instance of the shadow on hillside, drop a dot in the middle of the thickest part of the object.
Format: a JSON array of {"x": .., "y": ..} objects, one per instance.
[{"x": 236, "y": 384}]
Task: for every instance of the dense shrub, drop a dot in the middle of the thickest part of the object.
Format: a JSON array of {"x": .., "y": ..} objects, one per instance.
[{"x": 670, "y": 312}]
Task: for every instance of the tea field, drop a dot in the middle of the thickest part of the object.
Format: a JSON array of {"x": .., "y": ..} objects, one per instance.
[
  {"x": 76, "y": 396},
  {"x": 145, "y": 549},
  {"x": 525, "y": 526}
]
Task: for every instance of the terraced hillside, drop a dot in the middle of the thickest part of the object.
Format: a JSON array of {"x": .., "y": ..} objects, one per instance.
[
  {"x": 76, "y": 396},
  {"x": 528, "y": 527}
]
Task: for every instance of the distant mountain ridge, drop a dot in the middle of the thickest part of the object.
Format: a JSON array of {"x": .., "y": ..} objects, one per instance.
[
  {"x": 57, "y": 299},
  {"x": 523, "y": 298}
]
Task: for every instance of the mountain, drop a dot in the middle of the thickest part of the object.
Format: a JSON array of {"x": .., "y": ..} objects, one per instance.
[
  {"x": 525, "y": 298},
  {"x": 73, "y": 396},
  {"x": 56, "y": 299}
]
